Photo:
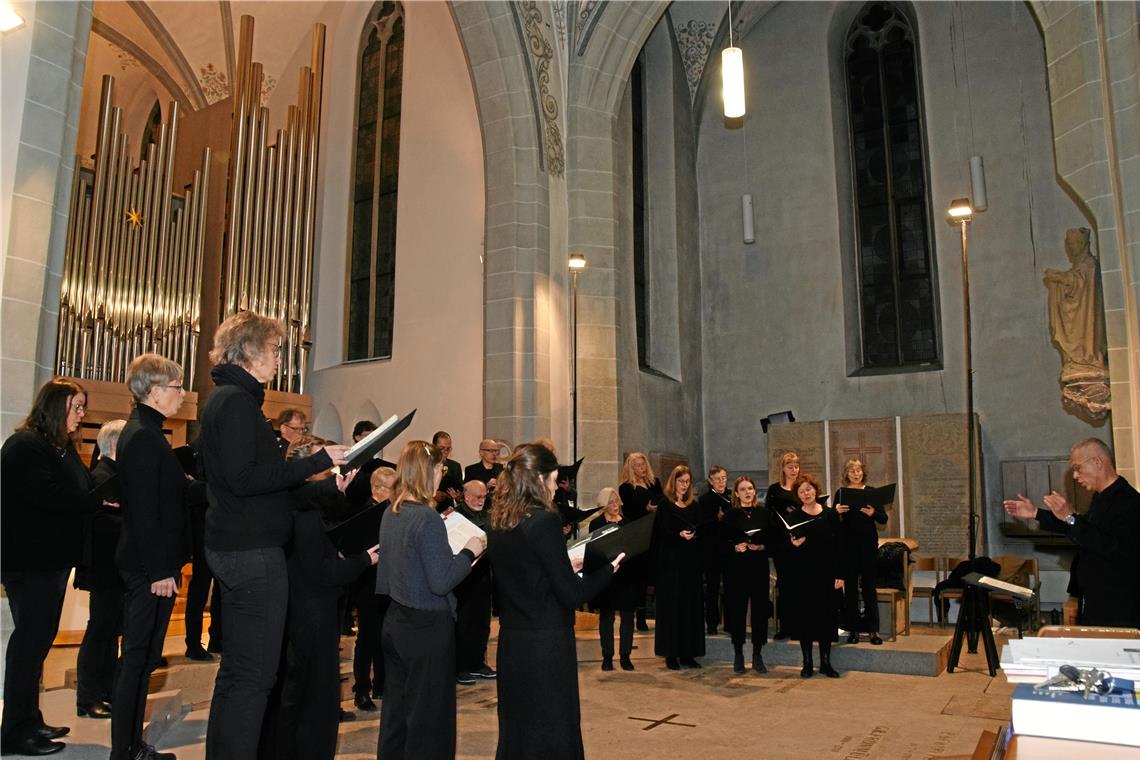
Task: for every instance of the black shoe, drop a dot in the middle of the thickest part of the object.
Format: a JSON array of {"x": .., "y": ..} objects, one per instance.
[
  {"x": 486, "y": 672},
  {"x": 876, "y": 639},
  {"x": 152, "y": 753},
  {"x": 689, "y": 662},
  {"x": 758, "y": 662},
  {"x": 826, "y": 669},
  {"x": 738, "y": 661},
  {"x": 780, "y": 636},
  {"x": 32, "y": 745},
  {"x": 853, "y": 638},
  {"x": 50, "y": 732},
  {"x": 377, "y": 693},
  {"x": 806, "y": 671},
  {"x": 365, "y": 703},
  {"x": 163, "y": 662},
  {"x": 199, "y": 654},
  {"x": 672, "y": 664},
  {"x": 464, "y": 678},
  {"x": 607, "y": 663},
  {"x": 214, "y": 647},
  {"x": 626, "y": 663},
  {"x": 346, "y": 716},
  {"x": 98, "y": 710}
]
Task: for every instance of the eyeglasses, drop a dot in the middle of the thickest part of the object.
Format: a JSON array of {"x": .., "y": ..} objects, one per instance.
[
  {"x": 277, "y": 350},
  {"x": 490, "y": 451},
  {"x": 298, "y": 428},
  {"x": 174, "y": 386},
  {"x": 1078, "y": 466},
  {"x": 79, "y": 408}
]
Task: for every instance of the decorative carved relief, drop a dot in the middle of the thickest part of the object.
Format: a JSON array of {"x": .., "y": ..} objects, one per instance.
[
  {"x": 695, "y": 41},
  {"x": 542, "y": 55},
  {"x": 587, "y": 17},
  {"x": 558, "y": 11},
  {"x": 215, "y": 86},
  {"x": 126, "y": 60}
]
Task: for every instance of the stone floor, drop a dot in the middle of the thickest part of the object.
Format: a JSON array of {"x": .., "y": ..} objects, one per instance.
[{"x": 708, "y": 714}]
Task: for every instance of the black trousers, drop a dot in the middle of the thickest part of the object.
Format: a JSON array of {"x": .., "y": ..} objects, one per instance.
[
  {"x": 417, "y": 717},
  {"x": 606, "y": 631},
  {"x": 36, "y": 600},
  {"x": 198, "y": 591},
  {"x": 367, "y": 659},
  {"x": 256, "y": 587},
  {"x": 739, "y": 590},
  {"x": 99, "y": 653},
  {"x": 309, "y": 714},
  {"x": 145, "y": 618},
  {"x": 472, "y": 623},
  {"x": 712, "y": 571},
  {"x": 860, "y": 583}
]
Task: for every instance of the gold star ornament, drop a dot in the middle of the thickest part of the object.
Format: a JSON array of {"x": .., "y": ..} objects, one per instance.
[{"x": 134, "y": 218}]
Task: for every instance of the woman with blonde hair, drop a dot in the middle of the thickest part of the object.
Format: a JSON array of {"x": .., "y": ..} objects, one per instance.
[
  {"x": 418, "y": 572},
  {"x": 640, "y": 493},
  {"x": 679, "y": 635},
  {"x": 620, "y": 597},
  {"x": 781, "y": 500},
  {"x": 539, "y": 714},
  {"x": 860, "y": 540}
]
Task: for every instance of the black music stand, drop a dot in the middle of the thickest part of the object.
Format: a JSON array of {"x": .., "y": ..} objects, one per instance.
[{"x": 974, "y": 619}]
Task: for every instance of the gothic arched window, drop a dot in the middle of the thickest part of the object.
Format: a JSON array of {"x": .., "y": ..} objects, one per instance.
[
  {"x": 897, "y": 287},
  {"x": 376, "y": 167}
]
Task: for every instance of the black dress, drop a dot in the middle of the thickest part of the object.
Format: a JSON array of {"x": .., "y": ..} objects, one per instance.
[
  {"x": 808, "y": 587},
  {"x": 680, "y": 630},
  {"x": 860, "y": 540},
  {"x": 539, "y": 714},
  {"x": 780, "y": 501},
  {"x": 635, "y": 501},
  {"x": 746, "y": 573}
]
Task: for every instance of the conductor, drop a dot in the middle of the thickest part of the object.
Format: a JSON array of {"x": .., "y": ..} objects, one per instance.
[{"x": 1107, "y": 536}]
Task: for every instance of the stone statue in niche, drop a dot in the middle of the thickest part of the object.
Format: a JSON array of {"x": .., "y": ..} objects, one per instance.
[{"x": 1073, "y": 316}]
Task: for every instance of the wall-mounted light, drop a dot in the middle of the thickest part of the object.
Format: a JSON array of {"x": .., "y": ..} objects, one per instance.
[
  {"x": 732, "y": 75},
  {"x": 9, "y": 19}
]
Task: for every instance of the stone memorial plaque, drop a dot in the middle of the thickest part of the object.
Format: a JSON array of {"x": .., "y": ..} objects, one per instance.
[
  {"x": 936, "y": 483},
  {"x": 873, "y": 442},
  {"x": 804, "y": 438}
]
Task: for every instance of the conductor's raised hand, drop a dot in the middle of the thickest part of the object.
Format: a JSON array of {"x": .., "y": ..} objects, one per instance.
[
  {"x": 336, "y": 453},
  {"x": 1020, "y": 507},
  {"x": 1058, "y": 505},
  {"x": 164, "y": 587},
  {"x": 617, "y": 561}
]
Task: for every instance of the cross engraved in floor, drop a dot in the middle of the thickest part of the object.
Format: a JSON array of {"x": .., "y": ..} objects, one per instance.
[{"x": 667, "y": 720}]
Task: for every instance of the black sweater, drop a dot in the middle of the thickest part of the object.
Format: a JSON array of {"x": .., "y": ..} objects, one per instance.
[
  {"x": 247, "y": 480},
  {"x": 44, "y": 504},
  {"x": 156, "y": 522}
]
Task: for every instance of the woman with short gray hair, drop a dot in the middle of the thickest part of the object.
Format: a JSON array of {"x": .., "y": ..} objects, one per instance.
[
  {"x": 155, "y": 543},
  {"x": 249, "y": 521}
]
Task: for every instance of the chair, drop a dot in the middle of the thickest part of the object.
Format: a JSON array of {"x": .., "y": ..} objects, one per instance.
[
  {"x": 923, "y": 591},
  {"x": 948, "y": 565},
  {"x": 898, "y": 600},
  {"x": 1021, "y": 571}
]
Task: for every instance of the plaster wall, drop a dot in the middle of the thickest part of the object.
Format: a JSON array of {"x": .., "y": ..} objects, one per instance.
[
  {"x": 660, "y": 410},
  {"x": 437, "y": 353},
  {"x": 15, "y": 55},
  {"x": 774, "y": 318}
]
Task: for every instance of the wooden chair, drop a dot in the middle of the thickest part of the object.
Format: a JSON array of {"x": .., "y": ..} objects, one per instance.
[
  {"x": 923, "y": 591},
  {"x": 898, "y": 601},
  {"x": 948, "y": 565},
  {"x": 1021, "y": 571}
]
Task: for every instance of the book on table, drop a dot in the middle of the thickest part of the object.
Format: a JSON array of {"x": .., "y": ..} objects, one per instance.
[{"x": 1112, "y": 718}]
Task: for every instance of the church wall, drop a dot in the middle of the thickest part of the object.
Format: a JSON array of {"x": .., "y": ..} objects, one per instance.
[
  {"x": 774, "y": 312},
  {"x": 437, "y": 354},
  {"x": 660, "y": 409}
]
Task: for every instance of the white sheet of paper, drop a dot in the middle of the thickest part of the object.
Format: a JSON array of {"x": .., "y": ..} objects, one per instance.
[{"x": 460, "y": 530}]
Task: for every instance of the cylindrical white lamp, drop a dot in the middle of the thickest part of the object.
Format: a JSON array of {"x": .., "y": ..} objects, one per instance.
[
  {"x": 978, "y": 183},
  {"x": 732, "y": 78},
  {"x": 746, "y": 213}
]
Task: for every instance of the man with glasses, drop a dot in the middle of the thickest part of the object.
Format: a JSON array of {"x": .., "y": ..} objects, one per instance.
[
  {"x": 291, "y": 425},
  {"x": 1107, "y": 536},
  {"x": 487, "y": 469}
]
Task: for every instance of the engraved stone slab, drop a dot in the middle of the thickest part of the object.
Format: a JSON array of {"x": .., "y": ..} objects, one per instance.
[
  {"x": 935, "y": 483},
  {"x": 804, "y": 438}
]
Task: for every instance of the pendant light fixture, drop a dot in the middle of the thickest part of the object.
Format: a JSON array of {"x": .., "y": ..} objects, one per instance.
[{"x": 732, "y": 75}]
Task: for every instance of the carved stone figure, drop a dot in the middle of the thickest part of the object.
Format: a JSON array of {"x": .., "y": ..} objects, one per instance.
[{"x": 1073, "y": 326}]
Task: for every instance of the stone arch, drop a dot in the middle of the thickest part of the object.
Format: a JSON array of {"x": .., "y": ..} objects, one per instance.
[
  {"x": 516, "y": 367},
  {"x": 1091, "y": 51},
  {"x": 327, "y": 423}
]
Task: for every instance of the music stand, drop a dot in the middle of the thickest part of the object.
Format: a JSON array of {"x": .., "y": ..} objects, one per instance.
[{"x": 974, "y": 619}]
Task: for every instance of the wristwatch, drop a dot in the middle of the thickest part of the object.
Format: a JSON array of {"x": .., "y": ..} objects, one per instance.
[{"x": 1071, "y": 519}]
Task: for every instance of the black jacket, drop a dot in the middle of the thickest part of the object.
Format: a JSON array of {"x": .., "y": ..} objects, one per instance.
[
  {"x": 247, "y": 480},
  {"x": 1108, "y": 539},
  {"x": 317, "y": 571},
  {"x": 97, "y": 570},
  {"x": 45, "y": 503},
  {"x": 155, "y": 540}
]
